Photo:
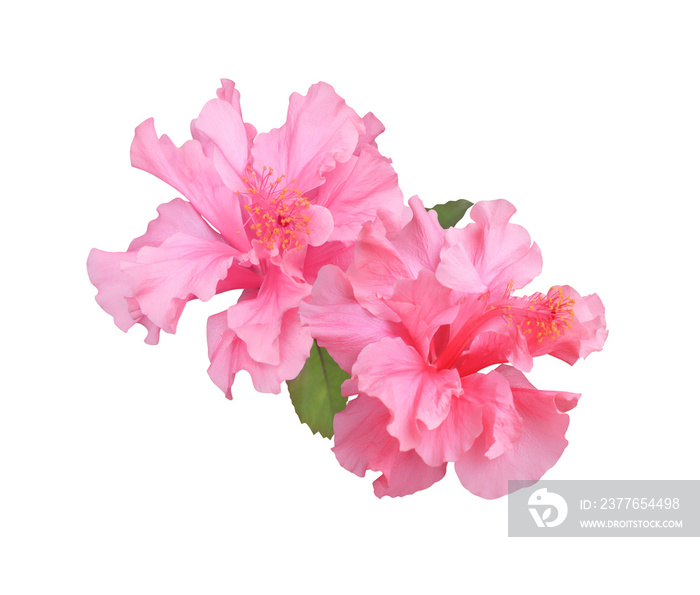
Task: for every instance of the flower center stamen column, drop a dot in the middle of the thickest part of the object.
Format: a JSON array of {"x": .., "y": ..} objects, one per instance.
[
  {"x": 548, "y": 316},
  {"x": 276, "y": 214}
]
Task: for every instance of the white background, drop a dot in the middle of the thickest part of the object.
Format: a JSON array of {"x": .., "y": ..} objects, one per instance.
[{"x": 123, "y": 469}]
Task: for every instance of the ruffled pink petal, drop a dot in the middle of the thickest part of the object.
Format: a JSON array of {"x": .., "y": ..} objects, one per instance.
[
  {"x": 176, "y": 216},
  {"x": 376, "y": 268},
  {"x": 586, "y": 335},
  {"x": 362, "y": 443},
  {"x": 373, "y": 128},
  {"x": 421, "y": 239},
  {"x": 320, "y": 130},
  {"x": 337, "y": 321},
  {"x": 539, "y": 446},
  {"x": 257, "y": 321},
  {"x": 392, "y": 222},
  {"x": 104, "y": 270},
  {"x": 221, "y": 139},
  {"x": 191, "y": 172},
  {"x": 291, "y": 262},
  {"x": 414, "y": 391},
  {"x": 107, "y": 269},
  {"x": 456, "y": 269},
  {"x": 423, "y": 305},
  {"x": 355, "y": 189},
  {"x": 500, "y": 417},
  {"x": 222, "y": 134},
  {"x": 361, "y": 440},
  {"x": 498, "y": 250},
  {"x": 164, "y": 277},
  {"x": 229, "y": 354},
  {"x": 408, "y": 475},
  {"x": 486, "y": 405},
  {"x": 590, "y": 313},
  {"x": 230, "y": 94},
  {"x": 339, "y": 254}
]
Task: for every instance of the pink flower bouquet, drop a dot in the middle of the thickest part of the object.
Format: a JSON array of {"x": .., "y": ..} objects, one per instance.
[{"x": 347, "y": 293}]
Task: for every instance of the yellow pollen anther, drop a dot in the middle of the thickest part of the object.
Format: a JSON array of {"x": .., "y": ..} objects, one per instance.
[{"x": 275, "y": 214}]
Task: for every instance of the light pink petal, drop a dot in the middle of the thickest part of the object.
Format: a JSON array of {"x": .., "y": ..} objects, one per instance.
[
  {"x": 373, "y": 128},
  {"x": 423, "y": 305},
  {"x": 564, "y": 401},
  {"x": 339, "y": 254},
  {"x": 421, "y": 239},
  {"x": 361, "y": 440},
  {"x": 454, "y": 436},
  {"x": 500, "y": 417},
  {"x": 539, "y": 446},
  {"x": 229, "y": 354},
  {"x": 320, "y": 130},
  {"x": 485, "y": 405},
  {"x": 506, "y": 250},
  {"x": 239, "y": 276},
  {"x": 337, "y": 321},
  {"x": 519, "y": 354},
  {"x": 498, "y": 250},
  {"x": 355, "y": 189},
  {"x": 408, "y": 475},
  {"x": 220, "y": 131},
  {"x": 257, "y": 321},
  {"x": 376, "y": 268},
  {"x": 104, "y": 270},
  {"x": 164, "y": 277},
  {"x": 457, "y": 271},
  {"x": 230, "y": 94},
  {"x": 228, "y": 140},
  {"x": 392, "y": 222},
  {"x": 590, "y": 313},
  {"x": 362, "y": 443},
  {"x": 321, "y": 224},
  {"x": 413, "y": 391},
  {"x": 291, "y": 262},
  {"x": 586, "y": 335},
  {"x": 191, "y": 172},
  {"x": 176, "y": 216}
]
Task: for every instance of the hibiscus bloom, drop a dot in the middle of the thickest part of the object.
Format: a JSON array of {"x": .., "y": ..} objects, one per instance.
[
  {"x": 421, "y": 319},
  {"x": 263, "y": 214}
]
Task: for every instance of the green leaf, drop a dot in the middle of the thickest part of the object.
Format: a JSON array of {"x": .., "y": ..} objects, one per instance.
[
  {"x": 315, "y": 392},
  {"x": 450, "y": 213}
]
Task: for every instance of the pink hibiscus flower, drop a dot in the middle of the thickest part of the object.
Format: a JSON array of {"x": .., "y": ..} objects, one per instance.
[
  {"x": 421, "y": 319},
  {"x": 263, "y": 214}
]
